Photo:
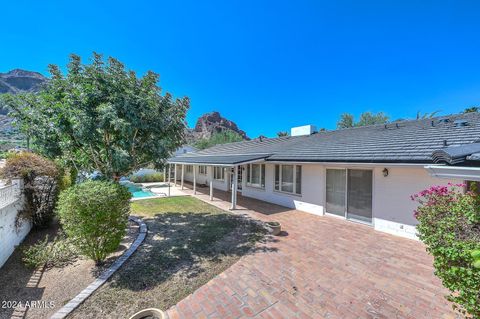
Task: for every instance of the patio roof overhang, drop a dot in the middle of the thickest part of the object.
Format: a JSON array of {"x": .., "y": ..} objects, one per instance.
[
  {"x": 218, "y": 160},
  {"x": 466, "y": 173}
]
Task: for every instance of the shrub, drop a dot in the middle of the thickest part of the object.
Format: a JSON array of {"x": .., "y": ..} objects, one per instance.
[
  {"x": 147, "y": 178},
  {"x": 41, "y": 185},
  {"x": 94, "y": 214},
  {"x": 56, "y": 253},
  {"x": 449, "y": 224}
]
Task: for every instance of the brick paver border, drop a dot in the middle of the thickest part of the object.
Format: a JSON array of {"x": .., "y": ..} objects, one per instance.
[{"x": 87, "y": 292}]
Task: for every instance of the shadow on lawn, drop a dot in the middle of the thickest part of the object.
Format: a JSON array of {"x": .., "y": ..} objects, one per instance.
[{"x": 184, "y": 243}]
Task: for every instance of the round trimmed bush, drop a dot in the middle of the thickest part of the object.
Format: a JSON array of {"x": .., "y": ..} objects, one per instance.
[{"x": 95, "y": 215}]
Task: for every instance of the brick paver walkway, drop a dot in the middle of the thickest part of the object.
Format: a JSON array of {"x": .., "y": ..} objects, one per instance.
[{"x": 323, "y": 268}]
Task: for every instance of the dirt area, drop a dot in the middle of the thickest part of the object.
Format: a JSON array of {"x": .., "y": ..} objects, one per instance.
[{"x": 38, "y": 293}]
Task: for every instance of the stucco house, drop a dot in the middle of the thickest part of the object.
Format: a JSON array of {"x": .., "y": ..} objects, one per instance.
[{"x": 364, "y": 174}]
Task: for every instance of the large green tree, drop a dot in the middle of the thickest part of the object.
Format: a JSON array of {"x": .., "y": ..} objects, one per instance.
[
  {"x": 102, "y": 117},
  {"x": 366, "y": 118},
  {"x": 227, "y": 136}
]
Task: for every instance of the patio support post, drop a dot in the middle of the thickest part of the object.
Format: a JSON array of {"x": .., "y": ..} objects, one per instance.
[
  {"x": 194, "y": 179},
  {"x": 234, "y": 188},
  {"x": 183, "y": 173},
  {"x": 175, "y": 174},
  {"x": 211, "y": 181},
  {"x": 169, "y": 173}
]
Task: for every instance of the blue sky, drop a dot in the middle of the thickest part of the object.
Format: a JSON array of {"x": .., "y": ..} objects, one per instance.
[{"x": 268, "y": 65}]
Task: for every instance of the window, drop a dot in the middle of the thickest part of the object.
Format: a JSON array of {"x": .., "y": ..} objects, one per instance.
[
  {"x": 256, "y": 175},
  {"x": 218, "y": 173},
  {"x": 288, "y": 178},
  {"x": 189, "y": 168},
  {"x": 202, "y": 170}
]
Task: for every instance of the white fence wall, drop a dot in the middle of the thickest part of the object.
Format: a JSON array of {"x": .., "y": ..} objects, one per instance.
[{"x": 11, "y": 232}]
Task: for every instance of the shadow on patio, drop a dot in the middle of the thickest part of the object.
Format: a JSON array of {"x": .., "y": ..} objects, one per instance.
[{"x": 223, "y": 199}]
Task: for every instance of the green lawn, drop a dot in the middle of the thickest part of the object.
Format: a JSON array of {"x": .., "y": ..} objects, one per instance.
[
  {"x": 178, "y": 204},
  {"x": 189, "y": 242}
]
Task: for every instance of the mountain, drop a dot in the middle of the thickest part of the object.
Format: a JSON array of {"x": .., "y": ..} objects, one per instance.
[
  {"x": 210, "y": 123},
  {"x": 18, "y": 80}
]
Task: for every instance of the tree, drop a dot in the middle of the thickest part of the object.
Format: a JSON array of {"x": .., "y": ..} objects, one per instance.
[
  {"x": 427, "y": 115},
  {"x": 282, "y": 133},
  {"x": 101, "y": 117},
  {"x": 472, "y": 109},
  {"x": 449, "y": 225},
  {"x": 41, "y": 185},
  {"x": 227, "y": 136},
  {"x": 346, "y": 121},
  {"x": 366, "y": 118}
]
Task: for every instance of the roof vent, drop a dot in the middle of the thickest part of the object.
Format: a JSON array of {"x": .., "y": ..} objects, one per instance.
[
  {"x": 444, "y": 120},
  {"x": 459, "y": 123},
  {"x": 303, "y": 130}
]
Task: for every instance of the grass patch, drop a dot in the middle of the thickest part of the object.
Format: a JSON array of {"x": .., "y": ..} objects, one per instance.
[
  {"x": 189, "y": 242},
  {"x": 178, "y": 204}
]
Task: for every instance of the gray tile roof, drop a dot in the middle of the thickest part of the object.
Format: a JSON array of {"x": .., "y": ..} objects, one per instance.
[
  {"x": 400, "y": 142},
  {"x": 217, "y": 159}
]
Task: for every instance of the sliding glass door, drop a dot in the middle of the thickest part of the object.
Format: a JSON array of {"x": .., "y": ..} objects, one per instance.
[
  {"x": 349, "y": 193},
  {"x": 336, "y": 191},
  {"x": 359, "y": 195}
]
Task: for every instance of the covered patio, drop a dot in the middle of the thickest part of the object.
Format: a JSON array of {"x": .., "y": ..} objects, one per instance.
[{"x": 229, "y": 164}]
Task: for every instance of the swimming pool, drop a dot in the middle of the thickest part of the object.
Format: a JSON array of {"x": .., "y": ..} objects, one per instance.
[{"x": 137, "y": 191}]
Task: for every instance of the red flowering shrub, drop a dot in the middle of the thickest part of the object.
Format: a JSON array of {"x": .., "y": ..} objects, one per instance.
[{"x": 449, "y": 225}]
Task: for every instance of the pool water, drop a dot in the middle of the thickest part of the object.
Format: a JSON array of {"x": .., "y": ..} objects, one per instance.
[{"x": 137, "y": 191}]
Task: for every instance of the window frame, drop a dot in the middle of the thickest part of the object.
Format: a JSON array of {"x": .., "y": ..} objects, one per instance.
[
  {"x": 202, "y": 169},
  {"x": 261, "y": 177},
  {"x": 222, "y": 170},
  {"x": 189, "y": 169},
  {"x": 294, "y": 181}
]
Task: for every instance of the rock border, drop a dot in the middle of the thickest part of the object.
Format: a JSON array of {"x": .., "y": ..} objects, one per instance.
[{"x": 87, "y": 292}]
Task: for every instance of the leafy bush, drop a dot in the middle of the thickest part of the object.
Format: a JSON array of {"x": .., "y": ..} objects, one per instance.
[
  {"x": 147, "y": 178},
  {"x": 56, "y": 253},
  {"x": 94, "y": 214},
  {"x": 41, "y": 185},
  {"x": 449, "y": 224}
]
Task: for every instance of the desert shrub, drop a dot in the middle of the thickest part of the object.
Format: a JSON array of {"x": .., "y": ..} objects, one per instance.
[
  {"x": 94, "y": 214},
  {"x": 41, "y": 185},
  {"x": 449, "y": 224},
  {"x": 56, "y": 253},
  {"x": 147, "y": 178}
]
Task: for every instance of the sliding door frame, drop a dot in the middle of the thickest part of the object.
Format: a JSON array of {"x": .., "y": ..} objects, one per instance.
[{"x": 345, "y": 216}]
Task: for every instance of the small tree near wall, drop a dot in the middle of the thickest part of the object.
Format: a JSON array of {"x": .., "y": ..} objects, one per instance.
[
  {"x": 449, "y": 224},
  {"x": 41, "y": 185}
]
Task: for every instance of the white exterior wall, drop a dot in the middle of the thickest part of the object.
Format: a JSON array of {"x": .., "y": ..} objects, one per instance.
[
  {"x": 392, "y": 208},
  {"x": 11, "y": 235},
  {"x": 312, "y": 198}
]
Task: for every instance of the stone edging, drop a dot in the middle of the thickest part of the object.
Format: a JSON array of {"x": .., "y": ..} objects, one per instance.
[{"x": 84, "y": 294}]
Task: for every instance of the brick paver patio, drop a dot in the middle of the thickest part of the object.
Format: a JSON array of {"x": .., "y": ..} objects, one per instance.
[{"x": 323, "y": 268}]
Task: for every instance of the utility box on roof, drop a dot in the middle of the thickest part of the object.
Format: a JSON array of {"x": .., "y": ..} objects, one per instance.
[{"x": 303, "y": 130}]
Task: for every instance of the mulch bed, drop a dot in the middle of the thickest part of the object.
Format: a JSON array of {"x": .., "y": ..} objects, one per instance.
[{"x": 39, "y": 293}]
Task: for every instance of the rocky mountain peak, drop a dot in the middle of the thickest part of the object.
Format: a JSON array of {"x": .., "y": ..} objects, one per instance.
[
  {"x": 213, "y": 122},
  {"x": 18, "y": 80}
]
